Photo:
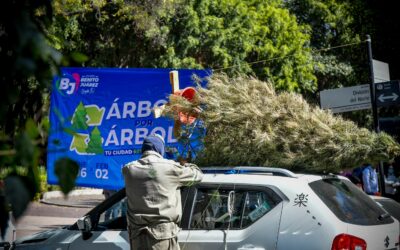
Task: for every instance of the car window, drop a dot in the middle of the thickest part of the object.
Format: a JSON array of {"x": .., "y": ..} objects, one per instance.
[
  {"x": 391, "y": 206},
  {"x": 114, "y": 217},
  {"x": 210, "y": 207},
  {"x": 349, "y": 203}
]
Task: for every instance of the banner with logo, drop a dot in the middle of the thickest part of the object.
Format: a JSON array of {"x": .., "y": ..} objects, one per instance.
[{"x": 100, "y": 116}]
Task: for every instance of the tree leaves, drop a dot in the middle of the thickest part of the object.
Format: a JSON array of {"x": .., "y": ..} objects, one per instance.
[
  {"x": 3, "y": 212},
  {"x": 79, "y": 57},
  {"x": 66, "y": 171},
  {"x": 28, "y": 64},
  {"x": 26, "y": 150},
  {"x": 215, "y": 34},
  {"x": 249, "y": 124},
  {"x": 19, "y": 191}
]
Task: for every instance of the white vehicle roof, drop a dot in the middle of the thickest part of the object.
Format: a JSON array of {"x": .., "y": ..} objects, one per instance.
[{"x": 259, "y": 176}]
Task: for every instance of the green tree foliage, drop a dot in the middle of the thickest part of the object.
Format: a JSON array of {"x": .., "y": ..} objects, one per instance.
[
  {"x": 66, "y": 170},
  {"x": 28, "y": 65},
  {"x": 222, "y": 34},
  {"x": 116, "y": 33},
  {"x": 337, "y": 22},
  {"x": 384, "y": 29},
  {"x": 215, "y": 34},
  {"x": 385, "y": 32},
  {"x": 334, "y": 23},
  {"x": 249, "y": 124}
]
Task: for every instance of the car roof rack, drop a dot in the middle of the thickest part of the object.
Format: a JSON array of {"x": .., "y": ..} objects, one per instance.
[{"x": 249, "y": 170}]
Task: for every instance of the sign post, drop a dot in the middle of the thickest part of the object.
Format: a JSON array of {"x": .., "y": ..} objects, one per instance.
[
  {"x": 375, "y": 112},
  {"x": 372, "y": 89}
]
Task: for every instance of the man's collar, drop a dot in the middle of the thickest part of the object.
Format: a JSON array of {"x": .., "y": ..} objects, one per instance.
[{"x": 151, "y": 152}]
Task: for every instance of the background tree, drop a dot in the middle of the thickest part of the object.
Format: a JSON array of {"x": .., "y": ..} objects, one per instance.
[
  {"x": 120, "y": 33},
  {"x": 333, "y": 23},
  {"x": 28, "y": 65},
  {"x": 336, "y": 23},
  {"x": 231, "y": 34},
  {"x": 343, "y": 26},
  {"x": 384, "y": 28},
  {"x": 383, "y": 25},
  {"x": 225, "y": 35}
]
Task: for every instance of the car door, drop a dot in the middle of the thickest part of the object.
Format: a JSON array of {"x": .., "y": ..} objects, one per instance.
[
  {"x": 109, "y": 223},
  {"x": 109, "y": 230},
  {"x": 253, "y": 224}
]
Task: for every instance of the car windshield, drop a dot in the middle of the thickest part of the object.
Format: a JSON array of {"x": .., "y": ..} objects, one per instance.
[{"x": 349, "y": 203}]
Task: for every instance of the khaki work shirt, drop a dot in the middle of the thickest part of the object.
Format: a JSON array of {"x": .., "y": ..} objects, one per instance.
[{"x": 154, "y": 198}]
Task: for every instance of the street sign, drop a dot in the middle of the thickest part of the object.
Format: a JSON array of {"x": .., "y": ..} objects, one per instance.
[
  {"x": 346, "y": 99},
  {"x": 387, "y": 93},
  {"x": 381, "y": 71}
]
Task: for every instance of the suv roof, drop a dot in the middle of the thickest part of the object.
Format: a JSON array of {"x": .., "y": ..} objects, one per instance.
[
  {"x": 249, "y": 170},
  {"x": 266, "y": 171}
]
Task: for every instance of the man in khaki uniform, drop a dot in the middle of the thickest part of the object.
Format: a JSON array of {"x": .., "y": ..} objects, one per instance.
[{"x": 154, "y": 199}]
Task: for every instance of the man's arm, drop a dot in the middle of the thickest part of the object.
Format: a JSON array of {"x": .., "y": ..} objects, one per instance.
[{"x": 190, "y": 174}]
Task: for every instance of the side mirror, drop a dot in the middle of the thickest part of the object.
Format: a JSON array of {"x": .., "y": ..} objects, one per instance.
[
  {"x": 84, "y": 224},
  {"x": 5, "y": 245}
]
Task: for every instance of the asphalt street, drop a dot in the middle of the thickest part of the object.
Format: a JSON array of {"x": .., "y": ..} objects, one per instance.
[
  {"x": 40, "y": 217},
  {"x": 53, "y": 211}
]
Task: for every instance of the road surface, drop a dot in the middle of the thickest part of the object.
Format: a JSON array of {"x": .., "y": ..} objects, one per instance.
[{"x": 40, "y": 217}]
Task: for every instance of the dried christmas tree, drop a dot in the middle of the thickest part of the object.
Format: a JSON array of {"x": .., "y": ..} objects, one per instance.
[{"x": 249, "y": 124}]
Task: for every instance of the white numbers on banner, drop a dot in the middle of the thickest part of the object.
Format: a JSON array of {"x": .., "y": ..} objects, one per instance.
[
  {"x": 101, "y": 173},
  {"x": 83, "y": 172}
]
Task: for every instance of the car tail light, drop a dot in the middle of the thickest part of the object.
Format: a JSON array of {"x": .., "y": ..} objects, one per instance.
[
  {"x": 398, "y": 243},
  {"x": 348, "y": 242}
]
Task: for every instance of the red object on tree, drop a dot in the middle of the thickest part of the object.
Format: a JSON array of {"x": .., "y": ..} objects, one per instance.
[{"x": 187, "y": 93}]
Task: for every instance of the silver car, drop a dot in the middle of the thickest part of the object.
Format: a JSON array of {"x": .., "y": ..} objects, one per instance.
[{"x": 247, "y": 208}]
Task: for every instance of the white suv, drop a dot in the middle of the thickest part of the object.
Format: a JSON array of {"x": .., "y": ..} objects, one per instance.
[{"x": 247, "y": 208}]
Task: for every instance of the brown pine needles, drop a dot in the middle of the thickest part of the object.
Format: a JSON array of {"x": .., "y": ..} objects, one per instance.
[{"x": 249, "y": 124}]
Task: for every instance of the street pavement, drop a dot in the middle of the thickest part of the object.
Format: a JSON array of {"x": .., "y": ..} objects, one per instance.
[{"x": 55, "y": 210}]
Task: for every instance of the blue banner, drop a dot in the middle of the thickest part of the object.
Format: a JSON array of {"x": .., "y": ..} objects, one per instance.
[{"x": 100, "y": 116}]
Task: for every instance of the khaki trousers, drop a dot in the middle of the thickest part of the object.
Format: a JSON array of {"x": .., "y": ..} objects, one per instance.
[{"x": 145, "y": 241}]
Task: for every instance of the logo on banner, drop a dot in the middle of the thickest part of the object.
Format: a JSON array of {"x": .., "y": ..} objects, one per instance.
[
  {"x": 87, "y": 118},
  {"x": 68, "y": 84},
  {"x": 89, "y": 84}
]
